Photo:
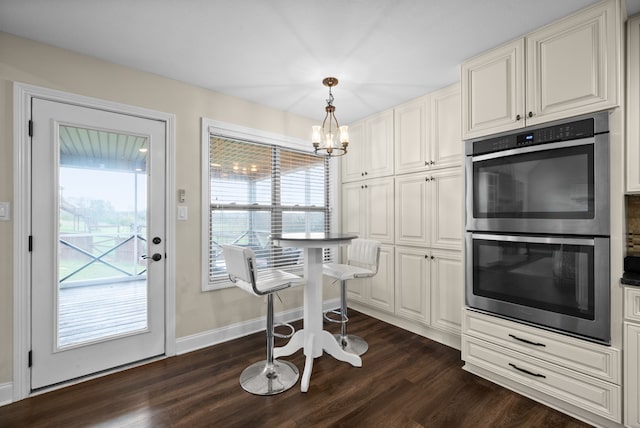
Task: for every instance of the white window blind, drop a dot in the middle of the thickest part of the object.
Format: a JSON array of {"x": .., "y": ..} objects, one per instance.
[{"x": 257, "y": 190}]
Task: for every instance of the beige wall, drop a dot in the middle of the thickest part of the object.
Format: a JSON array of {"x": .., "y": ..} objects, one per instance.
[{"x": 25, "y": 61}]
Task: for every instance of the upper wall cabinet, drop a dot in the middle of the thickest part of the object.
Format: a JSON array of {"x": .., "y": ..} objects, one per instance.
[
  {"x": 371, "y": 148},
  {"x": 572, "y": 67},
  {"x": 633, "y": 105},
  {"x": 427, "y": 132}
]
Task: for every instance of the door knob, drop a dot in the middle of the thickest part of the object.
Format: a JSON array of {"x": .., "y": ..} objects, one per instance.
[{"x": 156, "y": 257}]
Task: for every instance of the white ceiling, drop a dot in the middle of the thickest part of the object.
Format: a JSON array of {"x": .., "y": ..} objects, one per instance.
[{"x": 276, "y": 52}]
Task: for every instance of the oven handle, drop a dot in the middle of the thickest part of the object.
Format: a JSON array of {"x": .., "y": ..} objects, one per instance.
[
  {"x": 534, "y": 239},
  {"x": 536, "y": 148}
]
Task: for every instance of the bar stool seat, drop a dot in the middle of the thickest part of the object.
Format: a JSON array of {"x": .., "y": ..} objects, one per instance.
[
  {"x": 363, "y": 257},
  {"x": 270, "y": 376}
]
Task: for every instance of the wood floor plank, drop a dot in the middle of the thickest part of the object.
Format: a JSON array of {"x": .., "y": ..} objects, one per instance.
[{"x": 406, "y": 381}]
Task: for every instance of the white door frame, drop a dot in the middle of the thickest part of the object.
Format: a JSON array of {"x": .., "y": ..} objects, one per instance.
[{"x": 22, "y": 94}]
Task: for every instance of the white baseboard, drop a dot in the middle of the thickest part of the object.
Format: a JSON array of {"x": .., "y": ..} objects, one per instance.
[
  {"x": 234, "y": 331},
  {"x": 6, "y": 393}
]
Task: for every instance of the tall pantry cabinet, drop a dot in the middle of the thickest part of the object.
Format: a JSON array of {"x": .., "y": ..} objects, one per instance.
[{"x": 415, "y": 208}]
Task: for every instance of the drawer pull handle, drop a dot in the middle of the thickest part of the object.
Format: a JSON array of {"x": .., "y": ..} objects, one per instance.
[
  {"x": 527, "y": 371},
  {"x": 527, "y": 341}
]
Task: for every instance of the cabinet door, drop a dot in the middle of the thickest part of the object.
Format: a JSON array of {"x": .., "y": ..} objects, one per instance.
[
  {"x": 412, "y": 284},
  {"x": 380, "y": 288},
  {"x": 413, "y": 196},
  {"x": 352, "y": 209},
  {"x": 378, "y": 211},
  {"x": 493, "y": 91},
  {"x": 379, "y": 152},
  {"x": 447, "y": 209},
  {"x": 412, "y": 152},
  {"x": 445, "y": 128},
  {"x": 633, "y": 105},
  {"x": 631, "y": 375},
  {"x": 352, "y": 163},
  {"x": 447, "y": 286},
  {"x": 573, "y": 65}
]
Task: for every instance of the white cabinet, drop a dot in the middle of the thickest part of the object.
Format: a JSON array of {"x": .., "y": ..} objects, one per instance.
[
  {"x": 371, "y": 148},
  {"x": 493, "y": 91},
  {"x": 367, "y": 209},
  {"x": 633, "y": 105},
  {"x": 411, "y": 136},
  {"x": 428, "y": 132},
  {"x": 447, "y": 290},
  {"x": 413, "y": 284},
  {"x": 377, "y": 291},
  {"x": 445, "y": 130},
  {"x": 413, "y": 204},
  {"x": 632, "y": 374},
  {"x": 566, "y": 68},
  {"x": 429, "y": 209},
  {"x": 583, "y": 376},
  {"x": 632, "y": 357},
  {"x": 429, "y": 287}
]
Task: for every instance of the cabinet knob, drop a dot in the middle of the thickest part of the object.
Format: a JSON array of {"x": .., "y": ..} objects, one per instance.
[
  {"x": 432, "y": 257},
  {"x": 432, "y": 179},
  {"x": 432, "y": 163},
  {"x": 365, "y": 173},
  {"x": 530, "y": 114},
  {"x": 362, "y": 174},
  {"x": 426, "y": 163},
  {"x": 518, "y": 117}
]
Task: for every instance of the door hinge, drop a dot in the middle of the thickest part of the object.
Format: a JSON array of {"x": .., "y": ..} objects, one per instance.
[
  {"x": 30, "y": 128},
  {"x": 30, "y": 243},
  {"x": 30, "y": 358}
]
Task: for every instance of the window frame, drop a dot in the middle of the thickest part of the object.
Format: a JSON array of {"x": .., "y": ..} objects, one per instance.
[{"x": 236, "y": 132}]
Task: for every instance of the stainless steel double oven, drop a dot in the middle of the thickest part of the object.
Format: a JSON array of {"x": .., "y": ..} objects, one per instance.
[{"x": 538, "y": 225}]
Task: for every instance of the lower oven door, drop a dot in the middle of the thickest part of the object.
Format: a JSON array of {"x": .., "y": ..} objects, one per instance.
[{"x": 559, "y": 283}]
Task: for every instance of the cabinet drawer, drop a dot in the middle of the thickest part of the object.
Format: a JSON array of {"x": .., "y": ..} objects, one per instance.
[
  {"x": 586, "y": 392},
  {"x": 585, "y": 357},
  {"x": 632, "y": 304}
]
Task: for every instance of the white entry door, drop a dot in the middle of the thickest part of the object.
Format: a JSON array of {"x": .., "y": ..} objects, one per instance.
[{"x": 97, "y": 246}]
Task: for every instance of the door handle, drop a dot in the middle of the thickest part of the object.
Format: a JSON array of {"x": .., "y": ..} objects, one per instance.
[{"x": 156, "y": 257}]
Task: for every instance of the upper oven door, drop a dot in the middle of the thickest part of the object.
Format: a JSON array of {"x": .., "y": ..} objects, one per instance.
[{"x": 559, "y": 187}]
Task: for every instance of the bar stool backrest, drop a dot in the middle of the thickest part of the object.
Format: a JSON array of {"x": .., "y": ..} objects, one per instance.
[
  {"x": 364, "y": 253},
  {"x": 242, "y": 270}
]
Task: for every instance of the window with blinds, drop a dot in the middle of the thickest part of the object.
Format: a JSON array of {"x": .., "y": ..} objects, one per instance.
[{"x": 257, "y": 190}]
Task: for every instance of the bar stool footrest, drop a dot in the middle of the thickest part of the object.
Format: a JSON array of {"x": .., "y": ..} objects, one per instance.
[
  {"x": 284, "y": 336},
  {"x": 328, "y": 316}
]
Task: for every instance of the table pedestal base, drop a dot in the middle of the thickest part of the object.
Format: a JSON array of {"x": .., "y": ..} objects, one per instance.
[{"x": 314, "y": 345}]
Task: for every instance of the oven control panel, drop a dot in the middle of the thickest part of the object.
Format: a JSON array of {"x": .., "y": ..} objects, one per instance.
[{"x": 566, "y": 131}]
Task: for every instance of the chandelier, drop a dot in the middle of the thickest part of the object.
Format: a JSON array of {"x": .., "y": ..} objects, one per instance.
[{"x": 331, "y": 138}]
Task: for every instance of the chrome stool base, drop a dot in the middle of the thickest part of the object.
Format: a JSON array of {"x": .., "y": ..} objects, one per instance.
[
  {"x": 352, "y": 344},
  {"x": 259, "y": 379}
]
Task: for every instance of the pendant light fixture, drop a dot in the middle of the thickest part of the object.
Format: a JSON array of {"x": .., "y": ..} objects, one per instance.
[{"x": 330, "y": 138}]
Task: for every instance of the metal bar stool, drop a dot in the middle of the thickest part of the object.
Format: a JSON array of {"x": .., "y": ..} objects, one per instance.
[
  {"x": 363, "y": 257},
  {"x": 270, "y": 376}
]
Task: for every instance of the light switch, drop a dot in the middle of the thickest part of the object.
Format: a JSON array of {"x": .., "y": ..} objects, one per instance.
[
  {"x": 5, "y": 211},
  {"x": 182, "y": 213}
]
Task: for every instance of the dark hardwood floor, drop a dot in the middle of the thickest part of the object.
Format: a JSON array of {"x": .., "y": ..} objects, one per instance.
[{"x": 406, "y": 381}]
